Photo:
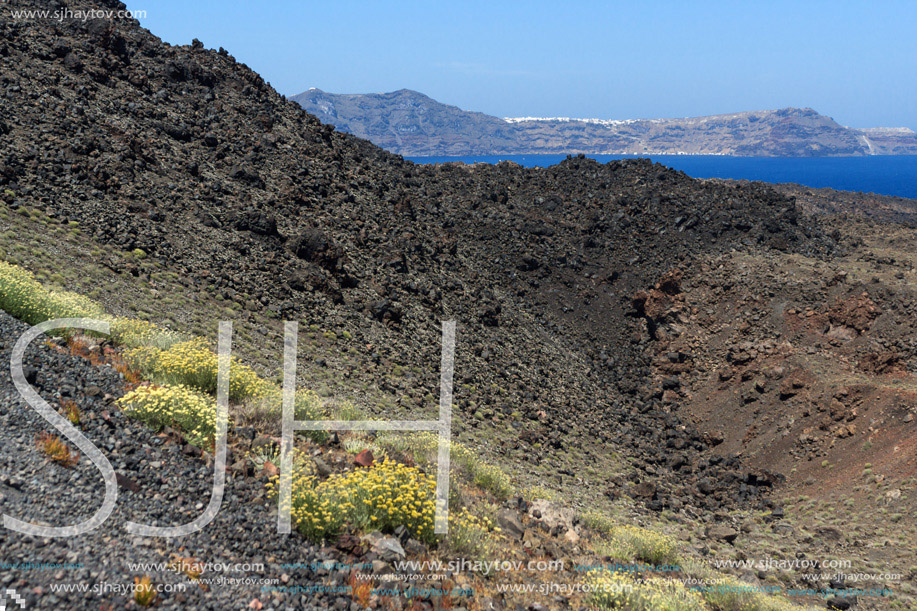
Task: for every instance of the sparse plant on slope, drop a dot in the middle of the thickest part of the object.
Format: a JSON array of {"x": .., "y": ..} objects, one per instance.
[
  {"x": 726, "y": 593},
  {"x": 621, "y": 591},
  {"x": 71, "y": 411},
  {"x": 423, "y": 447},
  {"x": 598, "y": 522},
  {"x": 629, "y": 543},
  {"x": 267, "y": 410},
  {"x": 355, "y": 444},
  {"x": 469, "y": 535},
  {"x": 144, "y": 593},
  {"x": 189, "y": 566},
  {"x": 134, "y": 333},
  {"x": 56, "y": 449}
]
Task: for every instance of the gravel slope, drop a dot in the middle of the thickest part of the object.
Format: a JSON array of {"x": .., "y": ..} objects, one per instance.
[{"x": 173, "y": 487}]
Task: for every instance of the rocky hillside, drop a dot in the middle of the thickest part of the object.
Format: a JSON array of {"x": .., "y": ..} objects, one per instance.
[
  {"x": 171, "y": 183},
  {"x": 187, "y": 155},
  {"x": 410, "y": 123}
]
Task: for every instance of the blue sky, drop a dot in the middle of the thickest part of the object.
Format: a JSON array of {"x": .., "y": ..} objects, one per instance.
[{"x": 854, "y": 61}]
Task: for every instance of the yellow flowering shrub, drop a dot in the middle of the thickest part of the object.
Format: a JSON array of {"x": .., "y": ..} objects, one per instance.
[
  {"x": 192, "y": 363},
  {"x": 183, "y": 408},
  {"x": 135, "y": 333},
  {"x": 469, "y": 535},
  {"x": 380, "y": 497},
  {"x": 423, "y": 447},
  {"x": 23, "y": 297},
  {"x": 540, "y": 492},
  {"x": 620, "y": 590},
  {"x": 634, "y": 543}
]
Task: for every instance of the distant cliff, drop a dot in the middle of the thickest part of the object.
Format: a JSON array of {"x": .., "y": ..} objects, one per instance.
[{"x": 410, "y": 123}]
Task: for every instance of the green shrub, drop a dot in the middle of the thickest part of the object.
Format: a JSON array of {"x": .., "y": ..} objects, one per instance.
[
  {"x": 598, "y": 522},
  {"x": 634, "y": 543},
  {"x": 424, "y": 447},
  {"x": 348, "y": 412},
  {"x": 540, "y": 492},
  {"x": 619, "y": 590},
  {"x": 306, "y": 406},
  {"x": 735, "y": 595},
  {"x": 354, "y": 444}
]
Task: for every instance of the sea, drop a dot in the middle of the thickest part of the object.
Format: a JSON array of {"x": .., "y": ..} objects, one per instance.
[{"x": 884, "y": 175}]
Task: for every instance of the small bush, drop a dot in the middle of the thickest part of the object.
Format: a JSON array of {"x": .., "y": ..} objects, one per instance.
[
  {"x": 192, "y": 363},
  {"x": 144, "y": 593},
  {"x": 191, "y": 412},
  {"x": 308, "y": 406},
  {"x": 56, "y": 449},
  {"x": 269, "y": 405},
  {"x": 381, "y": 497},
  {"x": 71, "y": 412},
  {"x": 348, "y": 412},
  {"x": 540, "y": 492},
  {"x": 619, "y": 590},
  {"x": 469, "y": 535},
  {"x": 23, "y": 297},
  {"x": 270, "y": 453},
  {"x": 424, "y": 446},
  {"x": 598, "y": 522},
  {"x": 189, "y": 566},
  {"x": 356, "y": 444},
  {"x": 133, "y": 333},
  {"x": 730, "y": 594},
  {"x": 635, "y": 543}
]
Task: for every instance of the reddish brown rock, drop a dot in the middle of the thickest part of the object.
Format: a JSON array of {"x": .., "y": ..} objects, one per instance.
[
  {"x": 363, "y": 459},
  {"x": 856, "y": 312}
]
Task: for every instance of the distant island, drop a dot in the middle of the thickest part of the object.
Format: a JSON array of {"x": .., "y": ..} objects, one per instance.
[{"x": 412, "y": 124}]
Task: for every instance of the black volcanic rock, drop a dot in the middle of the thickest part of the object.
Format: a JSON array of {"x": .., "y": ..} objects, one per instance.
[
  {"x": 257, "y": 221},
  {"x": 313, "y": 245}
]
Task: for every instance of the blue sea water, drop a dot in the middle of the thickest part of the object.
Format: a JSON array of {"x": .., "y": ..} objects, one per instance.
[{"x": 885, "y": 175}]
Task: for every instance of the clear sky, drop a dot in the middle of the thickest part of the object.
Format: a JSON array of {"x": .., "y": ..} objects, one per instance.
[{"x": 853, "y": 61}]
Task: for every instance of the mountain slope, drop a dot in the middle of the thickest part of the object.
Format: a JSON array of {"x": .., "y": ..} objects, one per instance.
[
  {"x": 172, "y": 183},
  {"x": 406, "y": 121},
  {"x": 410, "y": 123},
  {"x": 190, "y": 157}
]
